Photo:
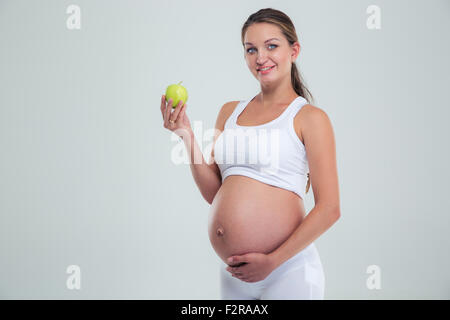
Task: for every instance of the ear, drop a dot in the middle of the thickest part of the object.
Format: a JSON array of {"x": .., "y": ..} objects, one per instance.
[{"x": 295, "y": 51}]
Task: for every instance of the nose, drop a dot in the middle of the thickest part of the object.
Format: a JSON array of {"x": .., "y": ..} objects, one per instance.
[{"x": 261, "y": 59}]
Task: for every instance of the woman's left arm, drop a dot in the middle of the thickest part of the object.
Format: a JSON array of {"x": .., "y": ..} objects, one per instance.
[{"x": 318, "y": 136}]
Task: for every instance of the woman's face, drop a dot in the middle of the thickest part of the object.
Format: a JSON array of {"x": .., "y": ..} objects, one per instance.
[{"x": 265, "y": 45}]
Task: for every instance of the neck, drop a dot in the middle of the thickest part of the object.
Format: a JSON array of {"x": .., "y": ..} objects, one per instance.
[{"x": 279, "y": 95}]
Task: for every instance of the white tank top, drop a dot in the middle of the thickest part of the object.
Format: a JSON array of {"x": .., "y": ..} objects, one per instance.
[{"x": 271, "y": 153}]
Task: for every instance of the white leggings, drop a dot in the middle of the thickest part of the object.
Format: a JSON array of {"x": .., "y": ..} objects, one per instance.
[{"x": 299, "y": 278}]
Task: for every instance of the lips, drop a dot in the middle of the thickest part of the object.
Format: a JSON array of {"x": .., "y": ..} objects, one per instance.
[{"x": 260, "y": 69}]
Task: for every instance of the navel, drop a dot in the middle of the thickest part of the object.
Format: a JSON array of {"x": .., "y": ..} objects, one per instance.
[{"x": 220, "y": 231}]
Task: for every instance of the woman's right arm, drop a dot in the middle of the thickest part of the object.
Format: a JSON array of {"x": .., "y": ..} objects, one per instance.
[{"x": 206, "y": 176}]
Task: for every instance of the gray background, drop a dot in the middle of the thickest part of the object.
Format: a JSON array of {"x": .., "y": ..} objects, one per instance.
[{"x": 87, "y": 176}]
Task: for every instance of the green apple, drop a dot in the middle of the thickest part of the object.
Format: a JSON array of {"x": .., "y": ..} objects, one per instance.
[{"x": 176, "y": 92}]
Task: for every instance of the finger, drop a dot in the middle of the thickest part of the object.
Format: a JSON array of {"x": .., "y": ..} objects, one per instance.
[
  {"x": 182, "y": 109},
  {"x": 238, "y": 260},
  {"x": 168, "y": 112},
  {"x": 243, "y": 278},
  {"x": 182, "y": 112},
  {"x": 174, "y": 116},
  {"x": 163, "y": 105},
  {"x": 242, "y": 274},
  {"x": 239, "y": 270},
  {"x": 239, "y": 264}
]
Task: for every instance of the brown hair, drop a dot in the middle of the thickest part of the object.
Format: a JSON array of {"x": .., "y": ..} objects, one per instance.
[{"x": 286, "y": 26}]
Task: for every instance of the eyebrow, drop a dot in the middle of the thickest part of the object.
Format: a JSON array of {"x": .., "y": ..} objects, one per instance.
[{"x": 264, "y": 41}]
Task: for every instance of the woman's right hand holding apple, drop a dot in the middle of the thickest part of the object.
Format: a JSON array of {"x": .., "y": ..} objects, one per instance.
[{"x": 180, "y": 123}]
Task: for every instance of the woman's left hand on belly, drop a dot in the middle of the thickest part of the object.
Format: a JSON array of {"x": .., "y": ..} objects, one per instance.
[{"x": 251, "y": 267}]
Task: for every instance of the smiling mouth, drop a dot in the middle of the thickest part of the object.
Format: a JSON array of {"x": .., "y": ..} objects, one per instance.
[{"x": 266, "y": 70}]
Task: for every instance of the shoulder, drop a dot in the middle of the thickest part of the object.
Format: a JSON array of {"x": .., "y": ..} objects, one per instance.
[
  {"x": 225, "y": 112},
  {"x": 310, "y": 112},
  {"x": 229, "y": 107},
  {"x": 310, "y": 117}
]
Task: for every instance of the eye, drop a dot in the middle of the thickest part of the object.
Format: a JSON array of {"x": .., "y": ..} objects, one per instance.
[{"x": 254, "y": 48}]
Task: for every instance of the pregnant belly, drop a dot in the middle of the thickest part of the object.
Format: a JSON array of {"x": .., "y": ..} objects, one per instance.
[{"x": 247, "y": 215}]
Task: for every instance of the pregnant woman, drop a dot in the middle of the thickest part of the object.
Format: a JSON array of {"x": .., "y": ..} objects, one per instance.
[{"x": 267, "y": 151}]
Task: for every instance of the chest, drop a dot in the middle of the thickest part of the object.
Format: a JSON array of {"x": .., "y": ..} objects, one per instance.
[{"x": 253, "y": 116}]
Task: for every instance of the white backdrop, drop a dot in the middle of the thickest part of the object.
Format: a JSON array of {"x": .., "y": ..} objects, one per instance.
[{"x": 87, "y": 175}]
